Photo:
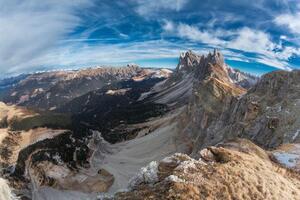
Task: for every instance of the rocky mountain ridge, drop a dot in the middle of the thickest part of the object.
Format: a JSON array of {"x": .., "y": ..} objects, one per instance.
[
  {"x": 190, "y": 61},
  {"x": 50, "y": 90}
]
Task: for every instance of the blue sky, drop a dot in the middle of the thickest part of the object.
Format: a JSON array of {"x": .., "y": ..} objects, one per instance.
[{"x": 256, "y": 37}]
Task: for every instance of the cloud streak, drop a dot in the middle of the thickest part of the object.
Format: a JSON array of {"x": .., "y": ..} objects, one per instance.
[{"x": 147, "y": 8}]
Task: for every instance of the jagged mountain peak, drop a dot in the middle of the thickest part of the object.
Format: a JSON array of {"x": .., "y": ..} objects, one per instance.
[
  {"x": 188, "y": 61},
  {"x": 216, "y": 57},
  {"x": 211, "y": 65}
]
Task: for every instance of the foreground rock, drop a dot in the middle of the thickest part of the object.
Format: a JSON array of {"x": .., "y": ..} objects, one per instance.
[{"x": 235, "y": 170}]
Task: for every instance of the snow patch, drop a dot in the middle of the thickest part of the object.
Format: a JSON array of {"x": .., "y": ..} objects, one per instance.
[
  {"x": 88, "y": 100},
  {"x": 117, "y": 92},
  {"x": 58, "y": 159},
  {"x": 5, "y": 191},
  {"x": 48, "y": 95},
  {"x": 144, "y": 95},
  {"x": 146, "y": 174},
  {"x": 105, "y": 196},
  {"x": 52, "y": 108},
  {"x": 14, "y": 94},
  {"x": 187, "y": 165},
  {"x": 296, "y": 134},
  {"x": 287, "y": 159},
  {"x": 58, "y": 172},
  {"x": 175, "y": 179},
  {"x": 172, "y": 158}
]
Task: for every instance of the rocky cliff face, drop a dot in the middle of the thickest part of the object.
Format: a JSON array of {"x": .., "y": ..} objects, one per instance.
[
  {"x": 220, "y": 108},
  {"x": 266, "y": 114}
]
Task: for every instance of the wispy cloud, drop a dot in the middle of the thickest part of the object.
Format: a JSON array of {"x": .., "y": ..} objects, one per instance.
[
  {"x": 244, "y": 39},
  {"x": 32, "y": 28},
  {"x": 291, "y": 21},
  {"x": 148, "y": 8},
  {"x": 80, "y": 54}
]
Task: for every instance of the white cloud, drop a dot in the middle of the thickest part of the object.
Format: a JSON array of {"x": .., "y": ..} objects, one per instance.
[
  {"x": 292, "y": 21},
  {"x": 252, "y": 41},
  {"x": 193, "y": 33},
  {"x": 29, "y": 29},
  {"x": 283, "y": 37},
  {"x": 168, "y": 26},
  {"x": 148, "y": 8},
  {"x": 190, "y": 32},
  {"x": 288, "y": 52},
  {"x": 78, "y": 55},
  {"x": 244, "y": 39}
]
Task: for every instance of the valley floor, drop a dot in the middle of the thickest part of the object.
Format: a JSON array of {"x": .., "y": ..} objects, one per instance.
[{"x": 123, "y": 160}]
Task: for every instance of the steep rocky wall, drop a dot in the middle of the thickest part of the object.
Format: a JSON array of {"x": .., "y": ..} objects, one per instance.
[
  {"x": 268, "y": 114},
  {"x": 219, "y": 109}
]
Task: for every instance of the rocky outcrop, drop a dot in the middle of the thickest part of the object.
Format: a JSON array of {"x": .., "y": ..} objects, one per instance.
[
  {"x": 235, "y": 170},
  {"x": 189, "y": 62},
  {"x": 192, "y": 69}
]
